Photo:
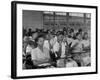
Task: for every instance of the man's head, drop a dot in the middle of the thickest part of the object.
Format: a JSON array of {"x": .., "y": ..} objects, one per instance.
[
  {"x": 40, "y": 40},
  {"x": 78, "y": 36},
  {"x": 85, "y": 36},
  {"x": 60, "y": 36},
  {"x": 72, "y": 32},
  {"x": 80, "y": 31},
  {"x": 47, "y": 36}
]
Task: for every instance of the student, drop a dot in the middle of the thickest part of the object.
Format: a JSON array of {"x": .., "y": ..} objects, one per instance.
[
  {"x": 30, "y": 46},
  {"x": 47, "y": 41},
  {"x": 40, "y": 54},
  {"x": 76, "y": 49},
  {"x": 59, "y": 46},
  {"x": 86, "y": 41},
  {"x": 86, "y": 57},
  {"x": 34, "y": 36},
  {"x": 53, "y": 40},
  {"x": 77, "y": 46}
]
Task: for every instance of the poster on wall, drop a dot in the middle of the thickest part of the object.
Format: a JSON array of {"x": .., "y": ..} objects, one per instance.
[{"x": 50, "y": 39}]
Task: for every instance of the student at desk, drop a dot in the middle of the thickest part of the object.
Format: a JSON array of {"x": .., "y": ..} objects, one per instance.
[
  {"x": 40, "y": 54},
  {"x": 77, "y": 49},
  {"x": 86, "y": 57},
  {"x": 59, "y": 46},
  {"x": 77, "y": 45},
  {"x": 86, "y": 42}
]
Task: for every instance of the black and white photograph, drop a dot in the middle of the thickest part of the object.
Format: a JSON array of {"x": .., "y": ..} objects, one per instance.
[{"x": 54, "y": 39}]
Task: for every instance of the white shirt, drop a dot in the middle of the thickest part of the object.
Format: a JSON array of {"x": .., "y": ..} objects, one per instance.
[
  {"x": 28, "y": 49},
  {"x": 56, "y": 48},
  {"x": 78, "y": 47},
  {"x": 86, "y": 43},
  {"x": 63, "y": 50},
  {"x": 53, "y": 41},
  {"x": 37, "y": 54},
  {"x": 46, "y": 44}
]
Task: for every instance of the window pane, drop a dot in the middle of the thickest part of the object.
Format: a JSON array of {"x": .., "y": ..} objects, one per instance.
[
  {"x": 88, "y": 15},
  {"x": 60, "y": 13},
  {"x": 76, "y": 14},
  {"x": 47, "y": 12}
]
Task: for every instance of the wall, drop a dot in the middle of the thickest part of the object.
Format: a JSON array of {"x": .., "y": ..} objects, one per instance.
[
  {"x": 5, "y": 41},
  {"x": 32, "y": 19}
]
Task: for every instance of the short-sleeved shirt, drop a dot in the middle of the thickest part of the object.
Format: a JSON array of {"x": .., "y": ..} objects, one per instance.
[
  {"x": 56, "y": 48},
  {"x": 86, "y": 43},
  {"x": 37, "y": 54},
  {"x": 78, "y": 46}
]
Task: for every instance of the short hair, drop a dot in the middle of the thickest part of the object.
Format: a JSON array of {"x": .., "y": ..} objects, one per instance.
[
  {"x": 80, "y": 30},
  {"x": 71, "y": 30},
  {"x": 77, "y": 34},
  {"x": 60, "y": 33},
  {"x": 29, "y": 29},
  {"x": 85, "y": 33},
  {"x": 31, "y": 43},
  {"x": 40, "y": 36}
]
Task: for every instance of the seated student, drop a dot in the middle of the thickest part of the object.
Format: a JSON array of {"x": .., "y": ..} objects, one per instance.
[
  {"x": 47, "y": 42},
  {"x": 77, "y": 46},
  {"x": 76, "y": 49},
  {"x": 86, "y": 42},
  {"x": 40, "y": 54},
  {"x": 86, "y": 58},
  {"x": 28, "y": 63},
  {"x": 26, "y": 38},
  {"x": 70, "y": 36},
  {"x": 80, "y": 31},
  {"x": 31, "y": 45},
  {"x": 53, "y": 39},
  {"x": 59, "y": 46},
  {"x": 59, "y": 49}
]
